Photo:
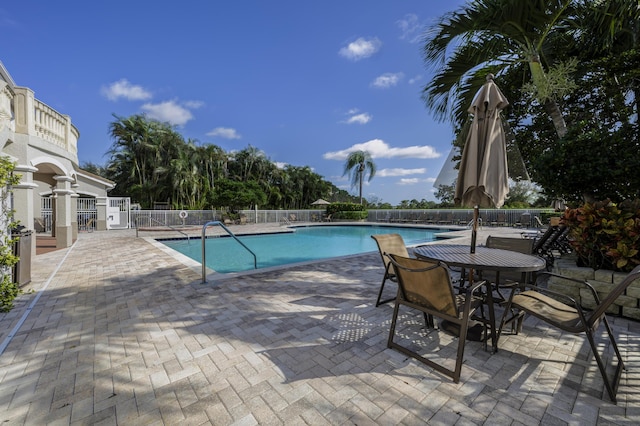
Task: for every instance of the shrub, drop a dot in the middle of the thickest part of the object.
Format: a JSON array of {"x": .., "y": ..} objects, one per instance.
[
  {"x": 347, "y": 211},
  {"x": 605, "y": 235},
  {"x": 344, "y": 207},
  {"x": 350, "y": 215},
  {"x": 9, "y": 290}
]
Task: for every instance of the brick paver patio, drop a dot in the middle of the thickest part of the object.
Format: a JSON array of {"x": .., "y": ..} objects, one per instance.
[{"x": 120, "y": 332}]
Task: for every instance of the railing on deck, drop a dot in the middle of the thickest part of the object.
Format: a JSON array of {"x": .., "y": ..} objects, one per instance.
[{"x": 441, "y": 217}]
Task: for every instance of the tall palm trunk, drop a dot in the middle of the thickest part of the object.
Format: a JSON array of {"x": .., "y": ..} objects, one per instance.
[
  {"x": 361, "y": 172},
  {"x": 550, "y": 105}
]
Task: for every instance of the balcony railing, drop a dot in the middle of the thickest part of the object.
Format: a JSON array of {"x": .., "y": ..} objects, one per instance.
[
  {"x": 54, "y": 127},
  {"x": 35, "y": 118}
]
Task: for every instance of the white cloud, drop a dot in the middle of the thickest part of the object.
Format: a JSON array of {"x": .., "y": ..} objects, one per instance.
[
  {"x": 411, "y": 28},
  {"x": 126, "y": 90},
  {"x": 414, "y": 181},
  {"x": 387, "y": 80},
  {"x": 193, "y": 104},
  {"x": 380, "y": 149},
  {"x": 280, "y": 164},
  {"x": 168, "y": 111},
  {"x": 224, "y": 132},
  {"x": 415, "y": 79},
  {"x": 408, "y": 181},
  {"x": 360, "y": 49},
  {"x": 362, "y": 118},
  {"x": 400, "y": 172}
]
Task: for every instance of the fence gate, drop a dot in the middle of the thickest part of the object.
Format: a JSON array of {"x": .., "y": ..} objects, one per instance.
[
  {"x": 118, "y": 212},
  {"x": 87, "y": 214}
]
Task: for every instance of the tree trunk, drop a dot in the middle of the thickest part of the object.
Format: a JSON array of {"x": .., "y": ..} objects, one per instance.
[{"x": 558, "y": 120}]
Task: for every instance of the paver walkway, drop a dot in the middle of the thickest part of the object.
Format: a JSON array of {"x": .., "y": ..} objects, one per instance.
[{"x": 125, "y": 334}]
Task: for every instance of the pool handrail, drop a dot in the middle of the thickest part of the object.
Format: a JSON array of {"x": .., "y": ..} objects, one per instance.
[{"x": 231, "y": 234}]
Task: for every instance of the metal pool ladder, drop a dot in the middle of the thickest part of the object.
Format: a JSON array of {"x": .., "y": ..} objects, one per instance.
[{"x": 231, "y": 234}]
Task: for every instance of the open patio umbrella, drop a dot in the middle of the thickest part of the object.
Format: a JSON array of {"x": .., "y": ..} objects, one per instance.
[
  {"x": 483, "y": 175},
  {"x": 320, "y": 202}
]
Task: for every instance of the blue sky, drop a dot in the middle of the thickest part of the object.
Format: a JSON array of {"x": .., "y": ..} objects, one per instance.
[{"x": 305, "y": 82}]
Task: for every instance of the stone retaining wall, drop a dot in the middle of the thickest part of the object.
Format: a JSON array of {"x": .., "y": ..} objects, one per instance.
[{"x": 627, "y": 305}]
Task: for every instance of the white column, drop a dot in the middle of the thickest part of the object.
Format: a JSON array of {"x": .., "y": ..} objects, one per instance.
[
  {"x": 74, "y": 216},
  {"x": 101, "y": 207},
  {"x": 23, "y": 198},
  {"x": 63, "y": 211}
]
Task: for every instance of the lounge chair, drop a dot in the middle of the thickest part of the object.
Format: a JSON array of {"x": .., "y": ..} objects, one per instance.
[
  {"x": 501, "y": 220},
  {"x": 544, "y": 245},
  {"x": 565, "y": 313},
  {"x": 389, "y": 244},
  {"x": 524, "y": 221},
  {"x": 447, "y": 219},
  {"x": 426, "y": 286}
]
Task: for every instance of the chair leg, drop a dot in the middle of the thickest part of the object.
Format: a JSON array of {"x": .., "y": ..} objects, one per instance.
[
  {"x": 428, "y": 320},
  {"x": 455, "y": 373},
  {"x": 384, "y": 279},
  {"x": 381, "y": 302},
  {"x": 611, "y": 385}
]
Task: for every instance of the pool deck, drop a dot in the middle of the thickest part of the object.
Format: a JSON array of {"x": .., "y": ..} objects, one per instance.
[{"x": 117, "y": 331}]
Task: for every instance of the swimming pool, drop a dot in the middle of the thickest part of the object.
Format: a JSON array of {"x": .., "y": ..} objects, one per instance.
[{"x": 225, "y": 255}]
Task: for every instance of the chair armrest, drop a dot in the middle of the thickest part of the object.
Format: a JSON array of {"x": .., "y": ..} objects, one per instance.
[{"x": 476, "y": 286}]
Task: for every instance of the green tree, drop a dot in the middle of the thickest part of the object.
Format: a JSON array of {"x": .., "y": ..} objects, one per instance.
[
  {"x": 358, "y": 165},
  {"x": 140, "y": 158},
  {"x": 96, "y": 169},
  {"x": 237, "y": 195},
  {"x": 446, "y": 194},
  {"x": 497, "y": 36}
]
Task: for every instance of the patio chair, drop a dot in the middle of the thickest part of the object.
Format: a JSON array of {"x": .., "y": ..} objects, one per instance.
[
  {"x": 389, "y": 244},
  {"x": 447, "y": 219},
  {"x": 521, "y": 245},
  {"x": 565, "y": 313},
  {"x": 426, "y": 286},
  {"x": 524, "y": 221},
  {"x": 501, "y": 220}
]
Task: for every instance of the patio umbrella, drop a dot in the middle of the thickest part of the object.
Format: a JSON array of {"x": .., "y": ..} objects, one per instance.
[
  {"x": 483, "y": 175},
  {"x": 320, "y": 202}
]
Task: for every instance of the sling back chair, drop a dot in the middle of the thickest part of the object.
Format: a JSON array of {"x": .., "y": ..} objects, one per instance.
[
  {"x": 389, "y": 244},
  {"x": 427, "y": 287},
  {"x": 521, "y": 245},
  {"x": 565, "y": 313}
]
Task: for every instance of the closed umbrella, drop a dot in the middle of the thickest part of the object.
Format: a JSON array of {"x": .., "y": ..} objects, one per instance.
[{"x": 483, "y": 175}]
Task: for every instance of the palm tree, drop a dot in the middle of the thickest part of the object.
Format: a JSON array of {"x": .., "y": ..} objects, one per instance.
[
  {"x": 357, "y": 165},
  {"x": 498, "y": 36}
]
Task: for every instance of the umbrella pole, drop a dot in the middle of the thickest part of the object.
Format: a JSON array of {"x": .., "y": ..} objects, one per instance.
[{"x": 474, "y": 229}]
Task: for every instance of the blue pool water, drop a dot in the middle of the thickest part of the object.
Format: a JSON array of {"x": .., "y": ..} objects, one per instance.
[{"x": 306, "y": 243}]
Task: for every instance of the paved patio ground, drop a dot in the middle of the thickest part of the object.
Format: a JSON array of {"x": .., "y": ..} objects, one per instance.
[{"x": 117, "y": 331}]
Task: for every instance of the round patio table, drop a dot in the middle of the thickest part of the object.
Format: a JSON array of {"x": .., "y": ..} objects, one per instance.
[{"x": 484, "y": 259}]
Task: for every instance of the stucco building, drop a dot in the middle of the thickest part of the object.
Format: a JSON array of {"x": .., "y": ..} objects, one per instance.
[{"x": 44, "y": 145}]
